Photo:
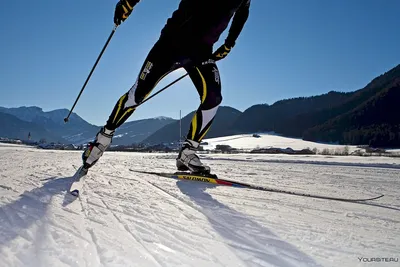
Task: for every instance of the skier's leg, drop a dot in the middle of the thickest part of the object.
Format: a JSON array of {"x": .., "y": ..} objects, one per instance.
[
  {"x": 206, "y": 78},
  {"x": 157, "y": 65}
]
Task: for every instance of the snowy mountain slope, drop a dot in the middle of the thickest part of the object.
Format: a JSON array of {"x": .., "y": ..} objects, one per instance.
[
  {"x": 13, "y": 127},
  {"x": 127, "y": 219},
  {"x": 247, "y": 141},
  {"x": 77, "y": 130}
]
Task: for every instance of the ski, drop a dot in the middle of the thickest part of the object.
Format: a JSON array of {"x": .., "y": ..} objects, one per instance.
[
  {"x": 77, "y": 184},
  {"x": 213, "y": 179}
]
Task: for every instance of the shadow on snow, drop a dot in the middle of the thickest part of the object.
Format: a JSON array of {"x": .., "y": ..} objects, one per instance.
[
  {"x": 30, "y": 208},
  {"x": 245, "y": 236}
]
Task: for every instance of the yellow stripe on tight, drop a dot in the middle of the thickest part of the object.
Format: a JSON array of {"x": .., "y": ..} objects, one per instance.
[
  {"x": 203, "y": 97},
  {"x": 202, "y": 136},
  {"x": 127, "y": 3},
  {"x": 128, "y": 110},
  {"x": 123, "y": 97},
  {"x": 119, "y": 106},
  {"x": 194, "y": 125}
]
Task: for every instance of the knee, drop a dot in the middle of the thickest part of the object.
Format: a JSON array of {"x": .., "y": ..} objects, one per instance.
[
  {"x": 131, "y": 98},
  {"x": 212, "y": 100},
  {"x": 218, "y": 100}
]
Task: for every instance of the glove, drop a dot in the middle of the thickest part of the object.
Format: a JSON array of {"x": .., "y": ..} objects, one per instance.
[
  {"x": 122, "y": 11},
  {"x": 221, "y": 52}
]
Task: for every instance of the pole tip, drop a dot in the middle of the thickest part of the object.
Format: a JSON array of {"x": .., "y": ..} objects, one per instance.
[{"x": 65, "y": 120}]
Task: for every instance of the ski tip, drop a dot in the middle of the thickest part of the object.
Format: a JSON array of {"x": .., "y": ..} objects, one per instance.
[
  {"x": 367, "y": 199},
  {"x": 378, "y": 196},
  {"x": 75, "y": 192}
]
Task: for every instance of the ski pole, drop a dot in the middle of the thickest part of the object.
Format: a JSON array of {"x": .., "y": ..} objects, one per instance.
[{"x": 90, "y": 74}]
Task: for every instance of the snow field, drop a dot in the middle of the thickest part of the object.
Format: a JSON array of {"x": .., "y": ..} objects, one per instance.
[{"x": 129, "y": 219}]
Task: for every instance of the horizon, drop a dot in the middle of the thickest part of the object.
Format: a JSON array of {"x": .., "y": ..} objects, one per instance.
[
  {"x": 311, "y": 50},
  {"x": 132, "y": 119}
]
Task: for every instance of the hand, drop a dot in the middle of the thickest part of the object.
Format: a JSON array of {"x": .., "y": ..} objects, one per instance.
[
  {"x": 122, "y": 11},
  {"x": 221, "y": 52}
]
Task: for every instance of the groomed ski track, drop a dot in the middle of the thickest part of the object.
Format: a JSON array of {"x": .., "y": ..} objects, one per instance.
[{"x": 128, "y": 219}]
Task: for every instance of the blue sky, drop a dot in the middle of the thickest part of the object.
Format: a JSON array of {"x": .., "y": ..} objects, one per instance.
[{"x": 288, "y": 48}]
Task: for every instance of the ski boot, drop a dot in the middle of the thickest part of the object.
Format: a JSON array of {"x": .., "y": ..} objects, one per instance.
[
  {"x": 96, "y": 148},
  {"x": 188, "y": 160}
]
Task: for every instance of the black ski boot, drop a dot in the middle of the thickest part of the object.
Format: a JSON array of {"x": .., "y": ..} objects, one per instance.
[
  {"x": 96, "y": 148},
  {"x": 188, "y": 160}
]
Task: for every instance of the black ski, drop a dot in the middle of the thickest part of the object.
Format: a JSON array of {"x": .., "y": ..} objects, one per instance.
[
  {"x": 77, "y": 183},
  {"x": 212, "y": 178}
]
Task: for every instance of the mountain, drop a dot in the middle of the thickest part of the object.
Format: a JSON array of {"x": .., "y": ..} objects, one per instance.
[
  {"x": 306, "y": 121},
  {"x": 138, "y": 131},
  {"x": 261, "y": 118},
  {"x": 375, "y": 122},
  {"x": 23, "y": 113},
  {"x": 51, "y": 126},
  {"x": 77, "y": 130},
  {"x": 19, "y": 129},
  {"x": 365, "y": 116},
  {"x": 223, "y": 121}
]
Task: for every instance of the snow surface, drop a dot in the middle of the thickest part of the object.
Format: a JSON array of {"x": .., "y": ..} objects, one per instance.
[{"x": 129, "y": 219}]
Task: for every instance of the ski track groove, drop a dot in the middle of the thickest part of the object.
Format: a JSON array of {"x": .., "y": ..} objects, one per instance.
[
  {"x": 172, "y": 227},
  {"x": 126, "y": 227},
  {"x": 9, "y": 188},
  {"x": 98, "y": 249},
  {"x": 193, "y": 207},
  {"x": 140, "y": 181},
  {"x": 216, "y": 259},
  {"x": 71, "y": 211},
  {"x": 172, "y": 203},
  {"x": 249, "y": 245},
  {"x": 90, "y": 231},
  {"x": 143, "y": 181},
  {"x": 56, "y": 225}
]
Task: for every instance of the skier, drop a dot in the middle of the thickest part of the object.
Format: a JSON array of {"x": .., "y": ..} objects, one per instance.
[{"x": 186, "y": 41}]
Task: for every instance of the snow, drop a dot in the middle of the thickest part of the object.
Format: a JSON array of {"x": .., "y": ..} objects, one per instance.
[
  {"x": 120, "y": 135},
  {"x": 162, "y": 118},
  {"x": 129, "y": 219},
  {"x": 246, "y": 141}
]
